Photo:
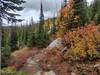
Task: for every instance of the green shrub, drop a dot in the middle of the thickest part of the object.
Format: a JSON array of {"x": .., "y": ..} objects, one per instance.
[{"x": 10, "y": 71}]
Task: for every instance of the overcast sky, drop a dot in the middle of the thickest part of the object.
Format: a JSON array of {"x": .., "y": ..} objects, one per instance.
[{"x": 32, "y": 9}]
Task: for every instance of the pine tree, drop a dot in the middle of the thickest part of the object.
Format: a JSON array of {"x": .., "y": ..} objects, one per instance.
[
  {"x": 42, "y": 34},
  {"x": 6, "y": 6},
  {"x": 80, "y": 7},
  {"x": 13, "y": 39},
  {"x": 72, "y": 18},
  {"x": 8, "y": 43},
  {"x": 75, "y": 14},
  {"x": 5, "y": 51},
  {"x": 31, "y": 35},
  {"x": 41, "y": 28},
  {"x": 53, "y": 30},
  {"x": 95, "y": 6},
  {"x": 20, "y": 36}
]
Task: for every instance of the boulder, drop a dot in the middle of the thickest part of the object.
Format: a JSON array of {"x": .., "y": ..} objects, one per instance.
[
  {"x": 45, "y": 73},
  {"x": 56, "y": 44}
]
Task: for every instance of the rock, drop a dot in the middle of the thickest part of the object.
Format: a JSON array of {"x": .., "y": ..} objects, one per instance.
[
  {"x": 45, "y": 73},
  {"x": 96, "y": 65},
  {"x": 72, "y": 73},
  {"x": 37, "y": 73},
  {"x": 97, "y": 68},
  {"x": 56, "y": 44},
  {"x": 31, "y": 61},
  {"x": 30, "y": 67},
  {"x": 50, "y": 73}
]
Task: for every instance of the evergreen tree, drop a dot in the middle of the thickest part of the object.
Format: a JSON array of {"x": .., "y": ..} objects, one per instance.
[
  {"x": 13, "y": 39},
  {"x": 6, "y": 6},
  {"x": 95, "y": 7},
  {"x": 41, "y": 28},
  {"x": 41, "y": 37},
  {"x": 3, "y": 37},
  {"x": 53, "y": 29},
  {"x": 41, "y": 34},
  {"x": 8, "y": 43},
  {"x": 75, "y": 14},
  {"x": 20, "y": 36},
  {"x": 31, "y": 35},
  {"x": 25, "y": 35},
  {"x": 31, "y": 38},
  {"x": 5, "y": 51},
  {"x": 80, "y": 7}
]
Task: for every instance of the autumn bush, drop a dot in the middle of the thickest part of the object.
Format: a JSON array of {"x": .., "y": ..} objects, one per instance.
[
  {"x": 19, "y": 57},
  {"x": 82, "y": 40},
  {"x": 53, "y": 60},
  {"x": 82, "y": 45},
  {"x": 85, "y": 43},
  {"x": 49, "y": 58}
]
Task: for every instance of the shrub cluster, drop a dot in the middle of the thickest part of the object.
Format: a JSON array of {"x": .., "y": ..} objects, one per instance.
[{"x": 84, "y": 43}]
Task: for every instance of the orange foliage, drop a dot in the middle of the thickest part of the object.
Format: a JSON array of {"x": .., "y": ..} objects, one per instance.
[
  {"x": 49, "y": 58},
  {"x": 84, "y": 41}
]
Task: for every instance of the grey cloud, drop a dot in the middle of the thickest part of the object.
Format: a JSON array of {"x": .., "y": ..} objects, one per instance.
[{"x": 48, "y": 5}]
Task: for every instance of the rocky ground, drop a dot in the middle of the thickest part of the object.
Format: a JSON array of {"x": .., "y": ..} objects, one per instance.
[{"x": 32, "y": 67}]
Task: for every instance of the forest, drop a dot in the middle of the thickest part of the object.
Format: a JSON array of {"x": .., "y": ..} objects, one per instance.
[{"x": 66, "y": 44}]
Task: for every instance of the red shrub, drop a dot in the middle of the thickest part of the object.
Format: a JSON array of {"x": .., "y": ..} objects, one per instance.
[{"x": 19, "y": 58}]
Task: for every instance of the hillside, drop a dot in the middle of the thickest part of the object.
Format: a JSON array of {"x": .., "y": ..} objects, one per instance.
[
  {"x": 76, "y": 59},
  {"x": 56, "y": 37}
]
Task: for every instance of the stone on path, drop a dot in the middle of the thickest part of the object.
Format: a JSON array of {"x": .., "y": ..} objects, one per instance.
[
  {"x": 56, "y": 44},
  {"x": 45, "y": 73},
  {"x": 30, "y": 67},
  {"x": 50, "y": 73}
]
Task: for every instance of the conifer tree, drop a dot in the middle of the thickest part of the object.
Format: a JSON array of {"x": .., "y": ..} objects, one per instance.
[
  {"x": 6, "y": 6},
  {"x": 54, "y": 26},
  {"x": 5, "y": 51},
  {"x": 41, "y": 34},
  {"x": 31, "y": 35},
  {"x": 73, "y": 15},
  {"x": 80, "y": 7},
  {"x": 41, "y": 28},
  {"x": 6, "y": 42},
  {"x": 13, "y": 39},
  {"x": 95, "y": 7}
]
